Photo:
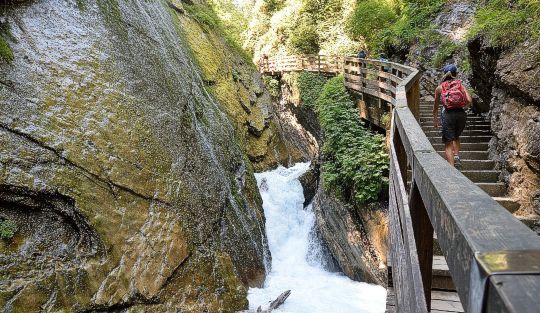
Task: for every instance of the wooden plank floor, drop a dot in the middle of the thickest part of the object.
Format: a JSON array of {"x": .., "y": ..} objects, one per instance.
[{"x": 441, "y": 302}]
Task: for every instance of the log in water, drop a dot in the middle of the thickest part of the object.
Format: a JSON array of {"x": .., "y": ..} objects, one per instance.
[{"x": 295, "y": 265}]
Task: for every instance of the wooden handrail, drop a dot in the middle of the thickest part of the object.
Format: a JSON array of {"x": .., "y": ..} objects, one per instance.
[{"x": 493, "y": 258}]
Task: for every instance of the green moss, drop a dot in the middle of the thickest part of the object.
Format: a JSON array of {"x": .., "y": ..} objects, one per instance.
[
  {"x": 355, "y": 163},
  {"x": 5, "y": 50},
  {"x": 203, "y": 15},
  {"x": 81, "y": 4},
  {"x": 8, "y": 229},
  {"x": 6, "y": 54}
]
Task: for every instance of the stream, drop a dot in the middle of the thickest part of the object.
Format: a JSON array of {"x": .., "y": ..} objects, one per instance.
[{"x": 297, "y": 263}]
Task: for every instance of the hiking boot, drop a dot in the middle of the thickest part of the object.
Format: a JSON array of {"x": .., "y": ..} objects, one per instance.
[{"x": 457, "y": 162}]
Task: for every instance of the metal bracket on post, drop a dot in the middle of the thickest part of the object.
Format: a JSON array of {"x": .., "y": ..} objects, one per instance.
[{"x": 487, "y": 264}]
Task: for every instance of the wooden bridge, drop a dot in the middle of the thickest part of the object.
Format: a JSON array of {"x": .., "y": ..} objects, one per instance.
[{"x": 493, "y": 259}]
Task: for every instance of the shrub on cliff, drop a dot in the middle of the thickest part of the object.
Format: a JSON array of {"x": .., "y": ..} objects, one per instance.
[
  {"x": 394, "y": 25},
  {"x": 506, "y": 22},
  {"x": 304, "y": 39},
  {"x": 355, "y": 162},
  {"x": 8, "y": 228},
  {"x": 310, "y": 86}
]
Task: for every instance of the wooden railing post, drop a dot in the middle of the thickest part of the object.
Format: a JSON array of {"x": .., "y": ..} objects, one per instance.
[
  {"x": 413, "y": 99},
  {"x": 423, "y": 235}
]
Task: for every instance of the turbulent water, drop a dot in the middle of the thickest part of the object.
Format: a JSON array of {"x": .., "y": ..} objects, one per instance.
[{"x": 295, "y": 265}]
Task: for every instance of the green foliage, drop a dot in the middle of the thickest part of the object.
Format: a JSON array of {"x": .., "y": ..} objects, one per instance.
[
  {"x": 6, "y": 54},
  {"x": 8, "y": 228},
  {"x": 271, "y": 6},
  {"x": 272, "y": 85},
  {"x": 370, "y": 18},
  {"x": 204, "y": 15},
  {"x": 505, "y": 22},
  {"x": 396, "y": 24},
  {"x": 355, "y": 162},
  {"x": 310, "y": 86},
  {"x": 232, "y": 18},
  {"x": 446, "y": 49},
  {"x": 304, "y": 38}
]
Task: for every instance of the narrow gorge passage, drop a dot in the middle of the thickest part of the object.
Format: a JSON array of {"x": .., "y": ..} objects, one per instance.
[{"x": 297, "y": 264}]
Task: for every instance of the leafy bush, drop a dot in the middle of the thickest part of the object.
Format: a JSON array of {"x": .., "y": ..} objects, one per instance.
[
  {"x": 272, "y": 85},
  {"x": 304, "y": 38},
  {"x": 369, "y": 19},
  {"x": 8, "y": 228},
  {"x": 355, "y": 162},
  {"x": 271, "y": 6},
  {"x": 506, "y": 22},
  {"x": 393, "y": 25},
  {"x": 310, "y": 86}
]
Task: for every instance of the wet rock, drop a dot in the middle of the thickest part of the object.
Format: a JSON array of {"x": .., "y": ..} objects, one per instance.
[
  {"x": 455, "y": 20},
  {"x": 309, "y": 181},
  {"x": 128, "y": 182},
  {"x": 516, "y": 146},
  {"x": 535, "y": 197},
  {"x": 356, "y": 238},
  {"x": 240, "y": 90}
]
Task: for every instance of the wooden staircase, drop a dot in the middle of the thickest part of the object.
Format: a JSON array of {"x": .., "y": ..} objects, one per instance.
[{"x": 476, "y": 164}]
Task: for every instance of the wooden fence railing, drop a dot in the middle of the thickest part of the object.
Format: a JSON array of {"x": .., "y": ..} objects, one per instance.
[{"x": 493, "y": 258}]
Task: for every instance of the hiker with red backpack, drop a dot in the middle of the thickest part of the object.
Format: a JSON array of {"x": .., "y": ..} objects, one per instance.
[{"x": 454, "y": 98}]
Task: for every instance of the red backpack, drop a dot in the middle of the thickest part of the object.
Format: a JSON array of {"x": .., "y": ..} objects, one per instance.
[{"x": 453, "y": 94}]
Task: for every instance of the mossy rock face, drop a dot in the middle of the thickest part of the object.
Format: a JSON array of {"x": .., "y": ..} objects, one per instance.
[
  {"x": 129, "y": 185},
  {"x": 235, "y": 83}
]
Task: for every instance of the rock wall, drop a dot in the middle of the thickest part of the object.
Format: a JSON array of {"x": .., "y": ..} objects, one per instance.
[
  {"x": 509, "y": 81},
  {"x": 126, "y": 178},
  {"x": 356, "y": 237},
  {"x": 230, "y": 76}
]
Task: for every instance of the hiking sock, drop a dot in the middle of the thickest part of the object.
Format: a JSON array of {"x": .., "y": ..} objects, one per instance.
[{"x": 457, "y": 162}]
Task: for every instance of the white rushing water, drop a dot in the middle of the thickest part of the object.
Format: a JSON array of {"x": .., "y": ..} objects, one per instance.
[{"x": 288, "y": 226}]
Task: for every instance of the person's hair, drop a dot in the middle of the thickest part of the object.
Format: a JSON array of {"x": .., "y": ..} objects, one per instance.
[{"x": 448, "y": 76}]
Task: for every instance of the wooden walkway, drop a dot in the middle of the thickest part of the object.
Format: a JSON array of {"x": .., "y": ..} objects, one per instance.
[
  {"x": 441, "y": 302},
  {"x": 494, "y": 259}
]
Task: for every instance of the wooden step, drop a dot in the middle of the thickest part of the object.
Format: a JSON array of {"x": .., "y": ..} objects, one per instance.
[
  {"x": 466, "y": 146},
  {"x": 470, "y": 155},
  {"x": 482, "y": 176},
  {"x": 509, "y": 203},
  {"x": 441, "y": 302},
  {"x": 466, "y": 132},
  {"x": 493, "y": 189},
  {"x": 462, "y": 139},
  {"x": 485, "y": 128},
  {"x": 470, "y": 118},
  {"x": 429, "y": 122},
  {"x": 477, "y": 165}
]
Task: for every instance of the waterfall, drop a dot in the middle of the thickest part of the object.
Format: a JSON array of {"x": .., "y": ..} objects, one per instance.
[{"x": 295, "y": 265}]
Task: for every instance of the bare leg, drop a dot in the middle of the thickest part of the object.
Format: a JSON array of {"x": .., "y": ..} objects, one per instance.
[
  {"x": 456, "y": 145},
  {"x": 449, "y": 151}
]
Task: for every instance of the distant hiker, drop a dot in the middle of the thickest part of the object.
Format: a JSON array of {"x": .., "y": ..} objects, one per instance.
[
  {"x": 362, "y": 54},
  {"x": 383, "y": 58},
  {"x": 454, "y": 98}
]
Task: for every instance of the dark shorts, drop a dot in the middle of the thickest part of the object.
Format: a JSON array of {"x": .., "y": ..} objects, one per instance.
[{"x": 453, "y": 123}]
